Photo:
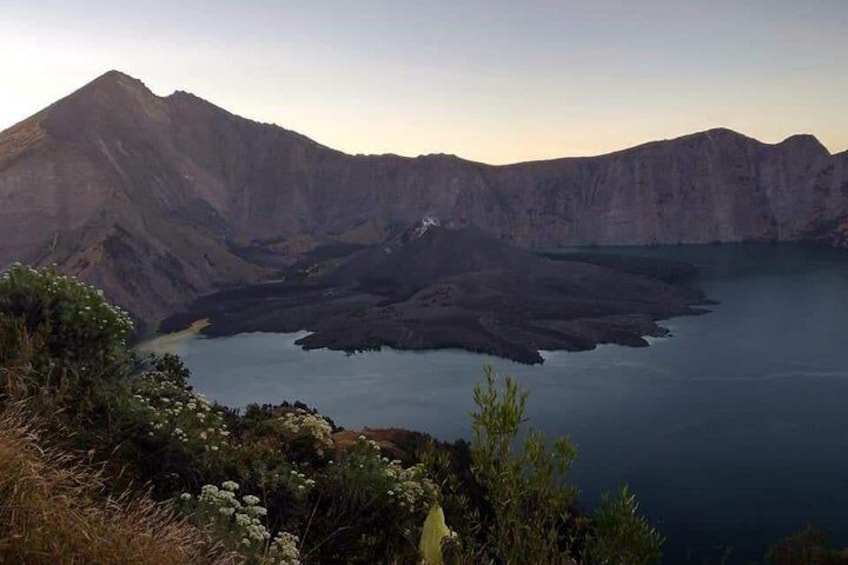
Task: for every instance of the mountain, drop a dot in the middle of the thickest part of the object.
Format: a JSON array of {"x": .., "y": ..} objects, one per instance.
[
  {"x": 456, "y": 287},
  {"x": 159, "y": 200}
]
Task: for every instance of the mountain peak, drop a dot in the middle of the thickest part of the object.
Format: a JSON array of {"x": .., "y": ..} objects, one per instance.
[
  {"x": 717, "y": 134},
  {"x": 807, "y": 141},
  {"x": 113, "y": 97},
  {"x": 114, "y": 76},
  {"x": 114, "y": 82}
]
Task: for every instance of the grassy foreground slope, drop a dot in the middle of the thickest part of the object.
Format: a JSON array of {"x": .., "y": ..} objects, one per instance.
[{"x": 56, "y": 509}]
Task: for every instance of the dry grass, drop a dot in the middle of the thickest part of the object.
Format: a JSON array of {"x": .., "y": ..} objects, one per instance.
[
  {"x": 55, "y": 510},
  {"x": 16, "y": 370}
]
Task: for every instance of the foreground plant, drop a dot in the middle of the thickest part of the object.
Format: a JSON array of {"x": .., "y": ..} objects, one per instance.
[
  {"x": 433, "y": 535},
  {"x": 372, "y": 508},
  {"x": 240, "y": 523},
  {"x": 81, "y": 328},
  {"x": 619, "y": 536},
  {"x": 806, "y": 547},
  {"x": 515, "y": 505},
  {"x": 55, "y": 509},
  {"x": 532, "y": 507}
]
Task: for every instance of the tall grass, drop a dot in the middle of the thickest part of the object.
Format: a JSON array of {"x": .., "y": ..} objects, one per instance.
[{"x": 55, "y": 509}]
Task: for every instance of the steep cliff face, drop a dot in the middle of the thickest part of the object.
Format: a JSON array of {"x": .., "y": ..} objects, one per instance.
[
  {"x": 711, "y": 186},
  {"x": 160, "y": 199}
]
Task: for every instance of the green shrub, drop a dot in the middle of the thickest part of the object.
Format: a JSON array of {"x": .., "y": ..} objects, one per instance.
[
  {"x": 166, "y": 433},
  {"x": 532, "y": 508},
  {"x": 371, "y": 509},
  {"x": 618, "y": 536},
  {"x": 79, "y": 324},
  {"x": 75, "y": 339},
  {"x": 806, "y": 547},
  {"x": 516, "y": 506}
]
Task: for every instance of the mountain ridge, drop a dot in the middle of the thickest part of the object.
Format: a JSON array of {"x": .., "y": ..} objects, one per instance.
[
  {"x": 156, "y": 198},
  {"x": 116, "y": 77}
]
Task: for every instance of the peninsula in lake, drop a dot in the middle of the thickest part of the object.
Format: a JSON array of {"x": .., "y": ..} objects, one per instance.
[
  {"x": 457, "y": 287},
  {"x": 163, "y": 200}
]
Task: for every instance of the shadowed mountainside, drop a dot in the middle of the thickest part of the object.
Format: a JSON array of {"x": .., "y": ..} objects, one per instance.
[{"x": 159, "y": 200}]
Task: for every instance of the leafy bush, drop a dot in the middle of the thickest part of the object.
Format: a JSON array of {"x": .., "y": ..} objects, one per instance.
[
  {"x": 520, "y": 510},
  {"x": 73, "y": 337},
  {"x": 618, "y": 536},
  {"x": 516, "y": 506},
  {"x": 79, "y": 324},
  {"x": 372, "y": 509},
  {"x": 806, "y": 547},
  {"x": 165, "y": 432}
]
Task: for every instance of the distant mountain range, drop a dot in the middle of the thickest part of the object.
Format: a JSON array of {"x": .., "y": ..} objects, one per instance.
[{"x": 159, "y": 200}]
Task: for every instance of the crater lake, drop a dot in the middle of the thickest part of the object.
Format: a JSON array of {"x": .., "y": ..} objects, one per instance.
[{"x": 733, "y": 431}]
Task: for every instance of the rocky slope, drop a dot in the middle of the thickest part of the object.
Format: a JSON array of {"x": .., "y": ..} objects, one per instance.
[
  {"x": 161, "y": 199},
  {"x": 455, "y": 288}
]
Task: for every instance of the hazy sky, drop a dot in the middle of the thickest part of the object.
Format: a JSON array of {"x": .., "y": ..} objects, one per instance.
[{"x": 490, "y": 80}]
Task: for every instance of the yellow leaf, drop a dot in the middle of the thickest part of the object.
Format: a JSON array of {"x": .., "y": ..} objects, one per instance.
[{"x": 434, "y": 531}]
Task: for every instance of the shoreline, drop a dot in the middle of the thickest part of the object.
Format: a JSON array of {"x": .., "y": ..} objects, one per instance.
[{"x": 166, "y": 343}]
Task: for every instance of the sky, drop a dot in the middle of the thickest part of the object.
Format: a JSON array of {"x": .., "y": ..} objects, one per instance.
[{"x": 490, "y": 80}]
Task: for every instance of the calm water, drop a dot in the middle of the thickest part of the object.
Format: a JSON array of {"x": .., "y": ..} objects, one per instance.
[{"x": 733, "y": 432}]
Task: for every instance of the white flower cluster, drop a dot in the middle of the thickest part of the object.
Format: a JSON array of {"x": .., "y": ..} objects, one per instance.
[
  {"x": 185, "y": 415},
  {"x": 413, "y": 490},
  {"x": 243, "y": 519},
  {"x": 299, "y": 482},
  {"x": 284, "y": 550},
  {"x": 301, "y": 424},
  {"x": 410, "y": 487},
  {"x": 91, "y": 306},
  {"x": 245, "y": 514}
]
